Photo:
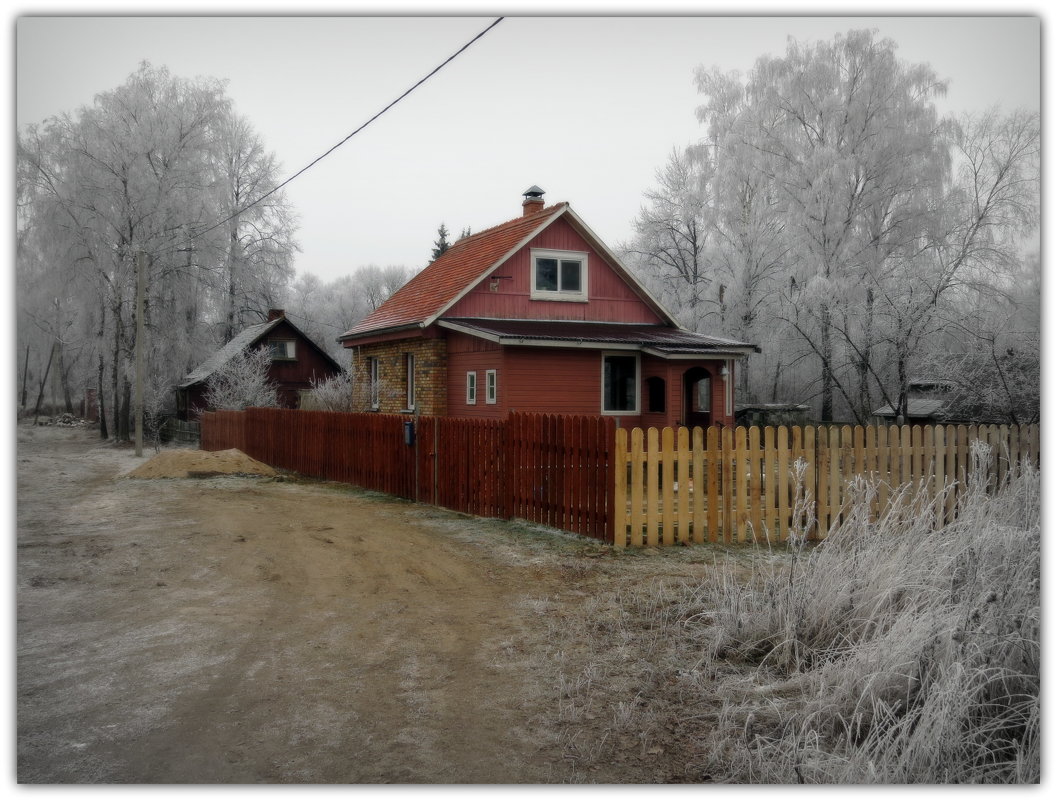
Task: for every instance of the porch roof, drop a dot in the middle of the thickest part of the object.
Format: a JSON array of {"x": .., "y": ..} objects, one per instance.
[{"x": 660, "y": 340}]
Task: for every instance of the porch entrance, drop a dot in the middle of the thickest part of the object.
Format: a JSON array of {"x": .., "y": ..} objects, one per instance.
[{"x": 697, "y": 397}]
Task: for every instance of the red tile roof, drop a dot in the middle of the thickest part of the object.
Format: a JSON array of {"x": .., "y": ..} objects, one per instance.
[{"x": 462, "y": 265}]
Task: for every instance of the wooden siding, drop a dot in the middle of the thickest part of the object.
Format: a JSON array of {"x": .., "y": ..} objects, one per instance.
[
  {"x": 466, "y": 353},
  {"x": 558, "y": 381},
  {"x": 610, "y": 298}
]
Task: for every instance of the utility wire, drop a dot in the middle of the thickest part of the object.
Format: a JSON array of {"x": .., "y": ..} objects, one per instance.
[{"x": 315, "y": 161}]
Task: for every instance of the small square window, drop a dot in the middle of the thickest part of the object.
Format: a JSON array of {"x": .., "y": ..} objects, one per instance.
[{"x": 559, "y": 275}]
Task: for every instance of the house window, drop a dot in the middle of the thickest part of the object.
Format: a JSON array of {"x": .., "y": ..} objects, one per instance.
[
  {"x": 409, "y": 362},
  {"x": 559, "y": 275},
  {"x": 471, "y": 388},
  {"x": 655, "y": 393},
  {"x": 490, "y": 386},
  {"x": 620, "y": 384},
  {"x": 282, "y": 349},
  {"x": 375, "y": 379}
]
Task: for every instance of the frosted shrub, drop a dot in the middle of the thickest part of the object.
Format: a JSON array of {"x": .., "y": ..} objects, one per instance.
[
  {"x": 332, "y": 394},
  {"x": 242, "y": 382},
  {"x": 914, "y": 654}
]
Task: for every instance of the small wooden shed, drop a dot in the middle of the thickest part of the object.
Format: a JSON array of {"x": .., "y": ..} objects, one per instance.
[{"x": 296, "y": 362}]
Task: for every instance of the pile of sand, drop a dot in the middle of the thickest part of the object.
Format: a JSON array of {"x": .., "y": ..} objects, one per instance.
[{"x": 184, "y": 463}]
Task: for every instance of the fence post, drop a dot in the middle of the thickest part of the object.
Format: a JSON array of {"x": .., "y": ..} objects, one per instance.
[{"x": 620, "y": 484}]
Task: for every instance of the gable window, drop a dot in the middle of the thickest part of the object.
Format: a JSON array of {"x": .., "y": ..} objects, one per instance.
[
  {"x": 409, "y": 363},
  {"x": 471, "y": 388},
  {"x": 375, "y": 381},
  {"x": 282, "y": 349},
  {"x": 490, "y": 387},
  {"x": 559, "y": 275},
  {"x": 620, "y": 383}
]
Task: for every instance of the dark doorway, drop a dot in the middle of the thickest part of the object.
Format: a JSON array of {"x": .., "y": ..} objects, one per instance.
[{"x": 697, "y": 397}]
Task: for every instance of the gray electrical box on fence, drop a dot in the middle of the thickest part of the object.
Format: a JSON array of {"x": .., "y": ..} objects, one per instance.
[{"x": 409, "y": 432}]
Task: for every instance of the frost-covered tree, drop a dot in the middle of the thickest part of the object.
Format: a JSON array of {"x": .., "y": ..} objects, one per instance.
[
  {"x": 829, "y": 215},
  {"x": 154, "y": 166},
  {"x": 243, "y": 382}
]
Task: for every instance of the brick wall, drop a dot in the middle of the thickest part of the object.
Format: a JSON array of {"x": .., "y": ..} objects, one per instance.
[{"x": 431, "y": 371}]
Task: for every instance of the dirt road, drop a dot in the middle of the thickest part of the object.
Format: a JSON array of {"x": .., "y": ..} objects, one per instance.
[{"x": 239, "y": 630}]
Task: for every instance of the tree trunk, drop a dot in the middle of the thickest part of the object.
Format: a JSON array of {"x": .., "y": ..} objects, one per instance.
[
  {"x": 25, "y": 378},
  {"x": 64, "y": 380},
  {"x": 101, "y": 375},
  {"x": 115, "y": 369},
  {"x": 100, "y": 397},
  {"x": 826, "y": 352},
  {"x": 43, "y": 383},
  {"x": 124, "y": 431},
  {"x": 233, "y": 258},
  {"x": 864, "y": 361}
]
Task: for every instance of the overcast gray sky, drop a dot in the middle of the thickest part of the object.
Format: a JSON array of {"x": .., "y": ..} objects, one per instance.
[{"x": 586, "y": 107}]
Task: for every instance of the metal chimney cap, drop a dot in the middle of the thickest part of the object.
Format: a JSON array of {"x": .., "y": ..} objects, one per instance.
[{"x": 533, "y": 191}]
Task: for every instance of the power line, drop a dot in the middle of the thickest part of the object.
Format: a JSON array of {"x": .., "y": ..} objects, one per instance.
[{"x": 318, "y": 159}]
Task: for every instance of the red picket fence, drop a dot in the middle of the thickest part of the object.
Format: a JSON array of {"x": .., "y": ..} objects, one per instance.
[{"x": 548, "y": 469}]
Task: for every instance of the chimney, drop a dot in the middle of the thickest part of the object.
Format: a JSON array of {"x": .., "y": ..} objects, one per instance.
[
  {"x": 533, "y": 200},
  {"x": 275, "y": 314}
]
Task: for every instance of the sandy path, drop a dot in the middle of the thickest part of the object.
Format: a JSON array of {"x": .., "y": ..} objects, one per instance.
[{"x": 237, "y": 630}]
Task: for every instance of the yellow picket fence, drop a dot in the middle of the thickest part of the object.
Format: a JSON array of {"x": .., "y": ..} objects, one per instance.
[{"x": 754, "y": 485}]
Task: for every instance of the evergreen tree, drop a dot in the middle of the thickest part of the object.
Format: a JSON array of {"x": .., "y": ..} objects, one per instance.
[{"x": 441, "y": 244}]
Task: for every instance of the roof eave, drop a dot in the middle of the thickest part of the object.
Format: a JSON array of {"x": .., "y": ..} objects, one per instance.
[
  {"x": 706, "y": 353},
  {"x": 347, "y": 337}
]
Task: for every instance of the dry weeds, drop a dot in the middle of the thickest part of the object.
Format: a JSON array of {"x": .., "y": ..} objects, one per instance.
[{"x": 891, "y": 653}]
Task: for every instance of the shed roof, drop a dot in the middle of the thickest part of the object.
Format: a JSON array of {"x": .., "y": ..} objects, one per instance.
[
  {"x": 916, "y": 407},
  {"x": 237, "y": 344}
]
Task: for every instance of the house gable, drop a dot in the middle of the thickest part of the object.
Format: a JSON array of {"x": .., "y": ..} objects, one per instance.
[{"x": 506, "y": 292}]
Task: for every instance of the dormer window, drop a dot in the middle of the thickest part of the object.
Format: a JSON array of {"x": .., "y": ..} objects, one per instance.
[{"x": 559, "y": 275}]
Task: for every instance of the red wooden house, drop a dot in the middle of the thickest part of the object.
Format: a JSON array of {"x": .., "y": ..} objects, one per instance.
[
  {"x": 296, "y": 361},
  {"x": 538, "y": 315}
]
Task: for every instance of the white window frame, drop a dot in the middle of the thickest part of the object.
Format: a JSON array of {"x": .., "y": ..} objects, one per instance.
[
  {"x": 491, "y": 386},
  {"x": 471, "y": 388},
  {"x": 374, "y": 371},
  {"x": 557, "y": 294},
  {"x": 638, "y": 383},
  {"x": 409, "y": 380}
]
